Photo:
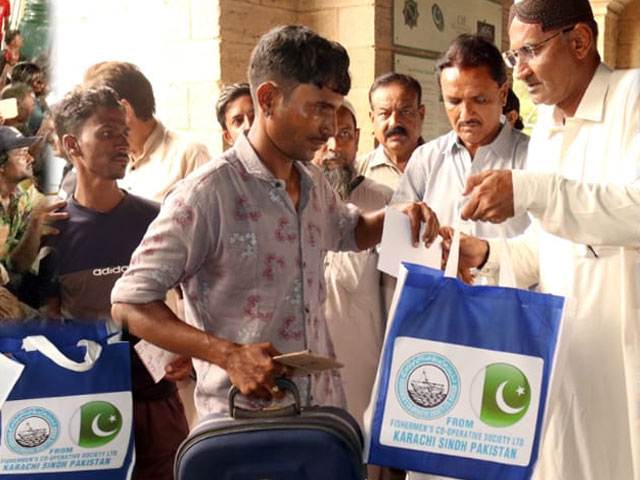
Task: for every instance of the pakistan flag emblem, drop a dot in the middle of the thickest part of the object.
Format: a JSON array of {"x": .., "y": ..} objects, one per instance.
[
  {"x": 95, "y": 424},
  {"x": 506, "y": 395}
]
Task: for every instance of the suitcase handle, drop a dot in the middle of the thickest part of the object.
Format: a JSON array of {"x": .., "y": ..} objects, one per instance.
[{"x": 269, "y": 412}]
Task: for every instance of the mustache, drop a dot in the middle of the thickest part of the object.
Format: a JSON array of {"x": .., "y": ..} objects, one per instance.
[
  {"x": 334, "y": 157},
  {"x": 468, "y": 123},
  {"x": 399, "y": 130},
  {"x": 531, "y": 79}
]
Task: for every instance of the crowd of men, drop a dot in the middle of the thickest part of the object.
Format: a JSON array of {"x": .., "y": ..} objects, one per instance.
[{"x": 270, "y": 246}]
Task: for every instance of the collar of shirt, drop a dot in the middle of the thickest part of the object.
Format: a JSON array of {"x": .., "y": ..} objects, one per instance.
[
  {"x": 150, "y": 144},
  {"x": 14, "y": 197},
  {"x": 592, "y": 104},
  {"x": 380, "y": 159},
  {"x": 501, "y": 145},
  {"x": 248, "y": 157}
]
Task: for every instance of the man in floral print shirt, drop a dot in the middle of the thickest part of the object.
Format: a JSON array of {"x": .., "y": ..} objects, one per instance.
[{"x": 244, "y": 236}]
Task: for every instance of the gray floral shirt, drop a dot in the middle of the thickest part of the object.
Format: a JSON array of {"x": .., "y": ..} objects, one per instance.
[{"x": 249, "y": 264}]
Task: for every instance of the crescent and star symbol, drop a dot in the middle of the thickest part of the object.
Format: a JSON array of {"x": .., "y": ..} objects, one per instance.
[
  {"x": 502, "y": 405},
  {"x": 97, "y": 430}
]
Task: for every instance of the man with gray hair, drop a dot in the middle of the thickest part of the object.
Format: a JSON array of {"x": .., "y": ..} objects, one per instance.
[
  {"x": 582, "y": 188},
  {"x": 353, "y": 307}
]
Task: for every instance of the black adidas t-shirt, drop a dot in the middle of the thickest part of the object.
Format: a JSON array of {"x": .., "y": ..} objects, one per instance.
[{"x": 91, "y": 252}]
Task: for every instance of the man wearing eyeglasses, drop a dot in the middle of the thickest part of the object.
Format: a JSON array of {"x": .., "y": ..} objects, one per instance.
[
  {"x": 583, "y": 190},
  {"x": 397, "y": 114}
]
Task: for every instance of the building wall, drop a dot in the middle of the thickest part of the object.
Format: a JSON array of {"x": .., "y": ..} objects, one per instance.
[
  {"x": 176, "y": 44},
  {"x": 628, "y": 41},
  {"x": 354, "y": 24},
  {"x": 189, "y": 49}
]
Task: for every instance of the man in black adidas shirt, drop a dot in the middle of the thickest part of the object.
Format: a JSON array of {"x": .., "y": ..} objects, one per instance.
[{"x": 93, "y": 250}]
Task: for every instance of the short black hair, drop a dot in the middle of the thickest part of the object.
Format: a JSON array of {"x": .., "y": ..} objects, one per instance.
[
  {"x": 470, "y": 51},
  {"x": 228, "y": 95},
  {"x": 512, "y": 102},
  {"x": 24, "y": 72},
  {"x": 77, "y": 106},
  {"x": 295, "y": 53},
  {"x": 407, "y": 81},
  {"x": 10, "y": 35},
  {"x": 128, "y": 81}
]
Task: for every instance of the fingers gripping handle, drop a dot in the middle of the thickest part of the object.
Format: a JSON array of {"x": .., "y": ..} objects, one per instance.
[
  {"x": 43, "y": 345},
  {"x": 507, "y": 276}
]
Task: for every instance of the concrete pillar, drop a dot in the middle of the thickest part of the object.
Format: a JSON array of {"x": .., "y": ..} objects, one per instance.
[{"x": 628, "y": 43}]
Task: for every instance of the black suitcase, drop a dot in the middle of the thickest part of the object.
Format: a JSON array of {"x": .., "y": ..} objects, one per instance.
[{"x": 314, "y": 443}]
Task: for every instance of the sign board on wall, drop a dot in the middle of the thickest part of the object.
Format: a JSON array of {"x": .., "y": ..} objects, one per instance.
[
  {"x": 436, "y": 122},
  {"x": 432, "y": 24}
]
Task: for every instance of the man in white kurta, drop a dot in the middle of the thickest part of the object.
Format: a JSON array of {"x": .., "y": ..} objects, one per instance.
[
  {"x": 353, "y": 308},
  {"x": 583, "y": 190}
]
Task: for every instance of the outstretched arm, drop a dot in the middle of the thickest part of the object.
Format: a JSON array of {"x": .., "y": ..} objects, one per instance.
[
  {"x": 588, "y": 213},
  {"x": 369, "y": 227}
]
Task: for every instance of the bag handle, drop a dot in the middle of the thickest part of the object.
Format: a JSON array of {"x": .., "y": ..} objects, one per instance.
[
  {"x": 506, "y": 277},
  {"x": 282, "y": 383},
  {"x": 43, "y": 345},
  {"x": 451, "y": 270}
]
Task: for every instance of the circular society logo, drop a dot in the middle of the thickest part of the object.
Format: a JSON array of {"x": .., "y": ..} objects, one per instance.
[
  {"x": 32, "y": 430},
  {"x": 427, "y": 386}
]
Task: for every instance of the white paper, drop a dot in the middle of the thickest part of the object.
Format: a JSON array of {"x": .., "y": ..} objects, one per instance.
[
  {"x": 306, "y": 363},
  {"x": 154, "y": 358},
  {"x": 10, "y": 372},
  {"x": 396, "y": 245}
]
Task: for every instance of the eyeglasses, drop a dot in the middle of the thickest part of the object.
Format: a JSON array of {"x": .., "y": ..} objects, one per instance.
[{"x": 526, "y": 53}]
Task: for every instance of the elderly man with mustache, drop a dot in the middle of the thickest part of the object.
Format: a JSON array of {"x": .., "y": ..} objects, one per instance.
[
  {"x": 353, "y": 308},
  {"x": 397, "y": 114}
]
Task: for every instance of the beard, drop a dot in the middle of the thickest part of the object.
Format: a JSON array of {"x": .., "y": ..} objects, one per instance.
[{"x": 339, "y": 178}]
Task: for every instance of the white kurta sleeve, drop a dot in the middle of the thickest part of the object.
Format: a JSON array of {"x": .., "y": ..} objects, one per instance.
[
  {"x": 524, "y": 257},
  {"x": 582, "y": 212}
]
